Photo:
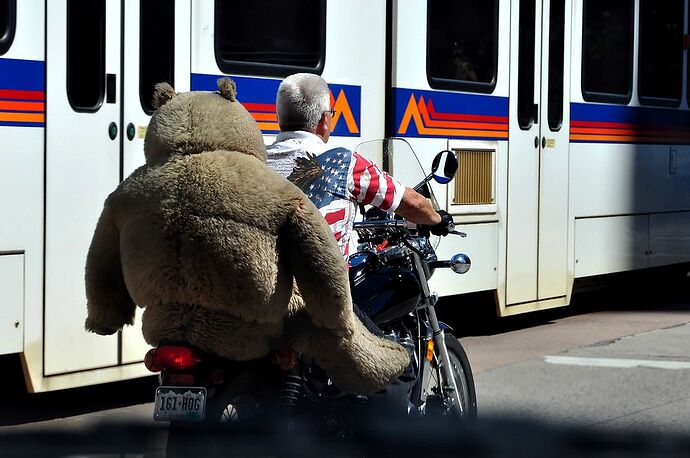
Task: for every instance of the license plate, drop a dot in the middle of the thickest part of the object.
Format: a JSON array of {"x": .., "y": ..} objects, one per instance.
[{"x": 180, "y": 403}]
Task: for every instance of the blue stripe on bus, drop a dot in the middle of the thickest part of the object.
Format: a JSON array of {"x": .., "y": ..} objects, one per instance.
[
  {"x": 598, "y": 123},
  {"x": 21, "y": 124},
  {"x": 630, "y": 115},
  {"x": 263, "y": 91},
  {"x": 22, "y": 75},
  {"x": 253, "y": 90}
]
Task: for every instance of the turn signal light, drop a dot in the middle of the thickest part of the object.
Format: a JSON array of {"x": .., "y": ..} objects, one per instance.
[
  {"x": 430, "y": 350},
  {"x": 172, "y": 358}
]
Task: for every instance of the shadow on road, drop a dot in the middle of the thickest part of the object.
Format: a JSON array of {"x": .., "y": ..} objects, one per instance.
[
  {"x": 375, "y": 436},
  {"x": 20, "y": 407},
  {"x": 663, "y": 289}
]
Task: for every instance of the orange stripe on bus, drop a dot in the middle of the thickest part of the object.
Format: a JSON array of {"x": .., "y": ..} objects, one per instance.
[
  {"x": 590, "y": 131},
  {"x": 462, "y": 124},
  {"x": 22, "y": 106},
  {"x": 428, "y": 122},
  {"x": 463, "y": 133},
  {"x": 417, "y": 112},
  {"x": 22, "y": 117},
  {"x": 265, "y": 117},
  {"x": 268, "y": 126},
  {"x": 635, "y": 132}
]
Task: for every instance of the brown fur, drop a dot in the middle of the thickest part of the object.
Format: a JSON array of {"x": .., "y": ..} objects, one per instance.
[{"x": 211, "y": 242}]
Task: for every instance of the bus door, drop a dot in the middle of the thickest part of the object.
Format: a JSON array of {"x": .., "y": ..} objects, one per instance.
[
  {"x": 537, "y": 220},
  {"x": 97, "y": 89},
  {"x": 156, "y": 48},
  {"x": 82, "y": 167}
]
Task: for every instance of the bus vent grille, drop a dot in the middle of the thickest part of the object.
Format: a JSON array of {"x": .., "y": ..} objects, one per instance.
[{"x": 474, "y": 178}]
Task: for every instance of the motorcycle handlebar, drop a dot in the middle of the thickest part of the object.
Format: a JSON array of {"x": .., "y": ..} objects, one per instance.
[
  {"x": 394, "y": 224},
  {"x": 385, "y": 224},
  {"x": 439, "y": 264}
]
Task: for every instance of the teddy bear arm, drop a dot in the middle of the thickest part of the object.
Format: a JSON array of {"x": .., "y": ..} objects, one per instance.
[
  {"x": 109, "y": 305},
  {"x": 319, "y": 270}
]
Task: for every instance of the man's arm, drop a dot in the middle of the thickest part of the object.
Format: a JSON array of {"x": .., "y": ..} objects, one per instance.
[
  {"x": 417, "y": 208},
  {"x": 383, "y": 191}
]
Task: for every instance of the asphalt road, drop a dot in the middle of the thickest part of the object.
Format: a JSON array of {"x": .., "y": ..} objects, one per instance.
[{"x": 619, "y": 358}]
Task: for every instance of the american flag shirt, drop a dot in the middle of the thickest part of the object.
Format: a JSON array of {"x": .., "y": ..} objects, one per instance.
[{"x": 335, "y": 179}]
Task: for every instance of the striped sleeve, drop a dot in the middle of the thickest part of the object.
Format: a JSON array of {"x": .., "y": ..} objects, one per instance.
[{"x": 373, "y": 186}]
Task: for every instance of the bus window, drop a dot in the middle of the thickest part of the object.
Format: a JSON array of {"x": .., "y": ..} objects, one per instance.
[
  {"x": 85, "y": 54},
  {"x": 525, "y": 108},
  {"x": 556, "y": 51},
  {"x": 607, "y": 48},
  {"x": 661, "y": 52},
  {"x": 156, "y": 48},
  {"x": 462, "y": 44},
  {"x": 270, "y": 37},
  {"x": 8, "y": 18}
]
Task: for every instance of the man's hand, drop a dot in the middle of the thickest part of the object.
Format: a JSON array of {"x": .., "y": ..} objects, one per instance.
[{"x": 445, "y": 226}]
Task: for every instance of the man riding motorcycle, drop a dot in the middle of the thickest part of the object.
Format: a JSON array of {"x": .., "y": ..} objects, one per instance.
[{"x": 337, "y": 180}]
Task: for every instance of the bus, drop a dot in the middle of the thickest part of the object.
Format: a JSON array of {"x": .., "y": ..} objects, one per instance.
[{"x": 570, "y": 120}]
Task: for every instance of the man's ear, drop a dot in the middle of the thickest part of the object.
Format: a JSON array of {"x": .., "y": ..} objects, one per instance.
[
  {"x": 162, "y": 94},
  {"x": 323, "y": 129}
]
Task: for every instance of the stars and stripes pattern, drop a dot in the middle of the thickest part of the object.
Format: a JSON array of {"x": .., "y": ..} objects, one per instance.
[
  {"x": 348, "y": 179},
  {"x": 372, "y": 186},
  {"x": 335, "y": 180}
]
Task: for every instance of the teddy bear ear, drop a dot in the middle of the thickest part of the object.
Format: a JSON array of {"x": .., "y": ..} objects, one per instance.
[
  {"x": 162, "y": 94},
  {"x": 227, "y": 89}
]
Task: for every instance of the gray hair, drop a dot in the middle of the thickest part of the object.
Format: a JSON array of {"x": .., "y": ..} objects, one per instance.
[{"x": 301, "y": 101}]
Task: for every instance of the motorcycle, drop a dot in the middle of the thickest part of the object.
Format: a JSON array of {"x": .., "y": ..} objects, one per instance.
[{"x": 389, "y": 276}]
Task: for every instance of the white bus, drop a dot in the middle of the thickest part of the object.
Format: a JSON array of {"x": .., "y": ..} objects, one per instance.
[{"x": 570, "y": 119}]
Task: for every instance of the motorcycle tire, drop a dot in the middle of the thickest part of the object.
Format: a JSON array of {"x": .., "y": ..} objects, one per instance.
[
  {"x": 463, "y": 379},
  {"x": 233, "y": 405}
]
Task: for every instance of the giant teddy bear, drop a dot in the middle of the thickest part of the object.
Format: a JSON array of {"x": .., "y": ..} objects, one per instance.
[{"x": 211, "y": 241}]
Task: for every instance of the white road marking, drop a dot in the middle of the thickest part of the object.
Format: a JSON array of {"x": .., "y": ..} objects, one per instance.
[{"x": 615, "y": 362}]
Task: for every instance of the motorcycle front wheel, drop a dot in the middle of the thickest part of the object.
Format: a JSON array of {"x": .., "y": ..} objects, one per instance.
[{"x": 443, "y": 403}]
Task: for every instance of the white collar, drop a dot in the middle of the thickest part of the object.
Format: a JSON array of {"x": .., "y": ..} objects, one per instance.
[{"x": 299, "y": 135}]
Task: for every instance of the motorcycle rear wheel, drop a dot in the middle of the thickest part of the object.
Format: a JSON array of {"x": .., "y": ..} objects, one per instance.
[{"x": 462, "y": 372}]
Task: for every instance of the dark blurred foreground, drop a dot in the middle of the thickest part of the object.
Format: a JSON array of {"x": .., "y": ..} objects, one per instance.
[{"x": 375, "y": 437}]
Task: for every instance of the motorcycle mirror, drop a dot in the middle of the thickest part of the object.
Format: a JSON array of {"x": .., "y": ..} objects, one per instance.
[
  {"x": 444, "y": 166},
  {"x": 460, "y": 263}
]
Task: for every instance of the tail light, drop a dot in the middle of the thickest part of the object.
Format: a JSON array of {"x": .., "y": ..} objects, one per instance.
[{"x": 172, "y": 358}]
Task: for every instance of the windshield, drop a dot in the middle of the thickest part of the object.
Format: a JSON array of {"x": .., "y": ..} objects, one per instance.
[{"x": 399, "y": 160}]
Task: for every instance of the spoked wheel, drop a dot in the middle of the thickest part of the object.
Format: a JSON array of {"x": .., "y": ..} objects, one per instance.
[{"x": 444, "y": 395}]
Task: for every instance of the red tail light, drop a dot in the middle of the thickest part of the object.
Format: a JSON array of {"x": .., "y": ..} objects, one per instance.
[{"x": 171, "y": 357}]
